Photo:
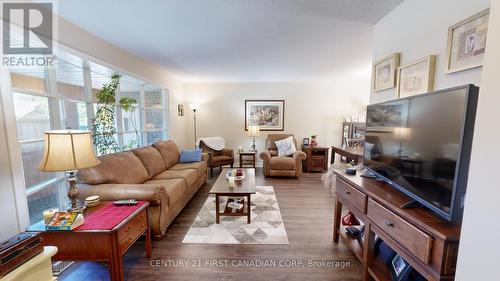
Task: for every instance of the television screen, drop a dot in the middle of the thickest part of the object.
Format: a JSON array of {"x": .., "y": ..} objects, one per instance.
[{"x": 421, "y": 145}]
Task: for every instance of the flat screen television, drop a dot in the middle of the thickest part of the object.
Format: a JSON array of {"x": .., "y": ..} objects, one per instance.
[{"x": 421, "y": 146}]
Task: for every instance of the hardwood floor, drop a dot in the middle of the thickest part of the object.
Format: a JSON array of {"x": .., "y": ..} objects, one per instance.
[{"x": 307, "y": 211}]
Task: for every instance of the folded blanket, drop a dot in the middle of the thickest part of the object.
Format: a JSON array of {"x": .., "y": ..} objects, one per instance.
[{"x": 215, "y": 143}]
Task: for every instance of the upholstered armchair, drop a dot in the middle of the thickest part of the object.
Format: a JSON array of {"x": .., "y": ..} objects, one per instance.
[
  {"x": 281, "y": 166},
  {"x": 217, "y": 158}
]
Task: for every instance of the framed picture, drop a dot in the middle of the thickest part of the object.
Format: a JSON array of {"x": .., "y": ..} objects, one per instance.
[
  {"x": 180, "y": 110},
  {"x": 384, "y": 73},
  {"x": 467, "y": 43},
  {"x": 416, "y": 77},
  {"x": 386, "y": 117},
  {"x": 400, "y": 268},
  {"x": 305, "y": 141},
  {"x": 267, "y": 114}
]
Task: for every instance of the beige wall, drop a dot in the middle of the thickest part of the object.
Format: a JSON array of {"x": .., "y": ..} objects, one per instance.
[
  {"x": 479, "y": 253},
  {"x": 310, "y": 108},
  {"x": 418, "y": 28}
]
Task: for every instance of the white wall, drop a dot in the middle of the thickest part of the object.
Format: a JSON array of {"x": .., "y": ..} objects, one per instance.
[
  {"x": 418, "y": 28},
  {"x": 479, "y": 253},
  {"x": 310, "y": 108}
]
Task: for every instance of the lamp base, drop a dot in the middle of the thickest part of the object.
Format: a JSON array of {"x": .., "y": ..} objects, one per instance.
[
  {"x": 253, "y": 148},
  {"x": 73, "y": 194}
]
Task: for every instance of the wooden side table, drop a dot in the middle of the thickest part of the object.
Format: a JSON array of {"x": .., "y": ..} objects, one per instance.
[
  {"x": 354, "y": 153},
  {"x": 99, "y": 245},
  {"x": 317, "y": 158},
  {"x": 247, "y": 158}
]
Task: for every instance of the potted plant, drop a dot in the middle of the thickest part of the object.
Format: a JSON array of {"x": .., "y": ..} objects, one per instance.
[{"x": 313, "y": 142}]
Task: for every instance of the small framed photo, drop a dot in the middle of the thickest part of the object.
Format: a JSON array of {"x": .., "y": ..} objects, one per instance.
[
  {"x": 305, "y": 141},
  {"x": 467, "y": 43},
  {"x": 416, "y": 77},
  {"x": 400, "y": 268},
  {"x": 384, "y": 73}
]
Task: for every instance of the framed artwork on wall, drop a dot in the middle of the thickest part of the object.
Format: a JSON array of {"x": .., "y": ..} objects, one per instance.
[
  {"x": 384, "y": 73},
  {"x": 416, "y": 77},
  {"x": 467, "y": 43},
  {"x": 269, "y": 115}
]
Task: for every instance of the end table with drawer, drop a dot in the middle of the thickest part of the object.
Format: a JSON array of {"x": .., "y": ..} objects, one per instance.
[{"x": 100, "y": 239}]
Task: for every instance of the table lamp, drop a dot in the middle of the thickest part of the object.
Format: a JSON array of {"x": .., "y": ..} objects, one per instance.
[
  {"x": 68, "y": 151},
  {"x": 253, "y": 131}
]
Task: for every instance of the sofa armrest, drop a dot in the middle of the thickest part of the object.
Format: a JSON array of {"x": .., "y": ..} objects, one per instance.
[
  {"x": 299, "y": 155},
  {"x": 153, "y": 193},
  {"x": 265, "y": 155}
]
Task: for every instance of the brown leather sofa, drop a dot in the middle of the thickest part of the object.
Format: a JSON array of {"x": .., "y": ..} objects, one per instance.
[
  {"x": 218, "y": 158},
  {"x": 150, "y": 173},
  {"x": 281, "y": 166}
]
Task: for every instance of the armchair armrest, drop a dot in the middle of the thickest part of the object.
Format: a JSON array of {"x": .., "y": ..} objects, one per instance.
[
  {"x": 205, "y": 157},
  {"x": 228, "y": 152},
  {"x": 299, "y": 155},
  {"x": 265, "y": 155},
  {"x": 153, "y": 193}
]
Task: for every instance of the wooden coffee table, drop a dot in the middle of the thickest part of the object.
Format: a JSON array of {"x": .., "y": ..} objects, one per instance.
[
  {"x": 99, "y": 245},
  {"x": 244, "y": 188}
]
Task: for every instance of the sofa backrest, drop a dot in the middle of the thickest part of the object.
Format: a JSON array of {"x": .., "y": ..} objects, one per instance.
[
  {"x": 122, "y": 168},
  {"x": 271, "y": 138},
  {"x": 169, "y": 152},
  {"x": 151, "y": 159}
]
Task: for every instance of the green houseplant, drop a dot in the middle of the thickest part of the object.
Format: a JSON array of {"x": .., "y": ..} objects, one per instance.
[{"x": 103, "y": 126}]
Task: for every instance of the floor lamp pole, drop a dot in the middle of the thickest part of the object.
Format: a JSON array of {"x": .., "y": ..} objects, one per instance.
[{"x": 195, "y": 143}]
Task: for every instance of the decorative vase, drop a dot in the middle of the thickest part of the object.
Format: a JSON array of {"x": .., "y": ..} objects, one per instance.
[{"x": 314, "y": 142}]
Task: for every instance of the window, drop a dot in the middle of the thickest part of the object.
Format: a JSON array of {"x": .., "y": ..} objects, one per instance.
[{"x": 65, "y": 98}]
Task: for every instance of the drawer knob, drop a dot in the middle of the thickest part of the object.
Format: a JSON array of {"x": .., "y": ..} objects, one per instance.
[
  {"x": 348, "y": 193},
  {"x": 389, "y": 223}
]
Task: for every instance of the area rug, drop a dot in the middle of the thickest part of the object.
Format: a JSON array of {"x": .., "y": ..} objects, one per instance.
[{"x": 266, "y": 225}]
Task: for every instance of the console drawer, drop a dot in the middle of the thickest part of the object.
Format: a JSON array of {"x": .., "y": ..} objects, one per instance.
[
  {"x": 410, "y": 237},
  {"x": 356, "y": 198},
  {"x": 130, "y": 232}
]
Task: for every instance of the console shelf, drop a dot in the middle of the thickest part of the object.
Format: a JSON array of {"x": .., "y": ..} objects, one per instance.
[{"x": 426, "y": 242}]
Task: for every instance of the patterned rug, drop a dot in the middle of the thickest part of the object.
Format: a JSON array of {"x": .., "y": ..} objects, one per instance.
[{"x": 266, "y": 225}]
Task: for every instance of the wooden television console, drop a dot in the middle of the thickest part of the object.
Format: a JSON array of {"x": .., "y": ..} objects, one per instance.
[{"x": 428, "y": 243}]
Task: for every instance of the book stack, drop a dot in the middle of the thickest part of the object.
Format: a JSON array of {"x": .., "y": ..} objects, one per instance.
[{"x": 65, "y": 221}]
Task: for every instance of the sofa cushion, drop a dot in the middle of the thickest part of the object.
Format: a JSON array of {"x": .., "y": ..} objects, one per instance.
[
  {"x": 175, "y": 189},
  {"x": 281, "y": 163},
  {"x": 200, "y": 167},
  {"x": 152, "y": 160},
  {"x": 188, "y": 175},
  {"x": 121, "y": 167},
  {"x": 169, "y": 151}
]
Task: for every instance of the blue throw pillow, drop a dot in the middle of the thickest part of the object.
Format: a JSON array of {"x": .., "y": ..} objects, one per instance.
[{"x": 189, "y": 156}]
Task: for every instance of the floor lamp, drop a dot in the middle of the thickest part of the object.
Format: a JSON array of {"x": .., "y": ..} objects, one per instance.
[{"x": 194, "y": 107}]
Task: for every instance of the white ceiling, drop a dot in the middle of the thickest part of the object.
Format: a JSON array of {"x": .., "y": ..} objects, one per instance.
[{"x": 238, "y": 40}]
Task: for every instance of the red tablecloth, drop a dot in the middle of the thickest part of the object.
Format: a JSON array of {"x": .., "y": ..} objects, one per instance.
[{"x": 108, "y": 216}]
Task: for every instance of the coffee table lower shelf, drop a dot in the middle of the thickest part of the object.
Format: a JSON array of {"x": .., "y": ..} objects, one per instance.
[{"x": 227, "y": 211}]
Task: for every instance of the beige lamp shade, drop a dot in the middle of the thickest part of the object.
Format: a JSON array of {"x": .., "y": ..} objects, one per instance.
[
  {"x": 68, "y": 150},
  {"x": 253, "y": 131},
  {"x": 401, "y": 133}
]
